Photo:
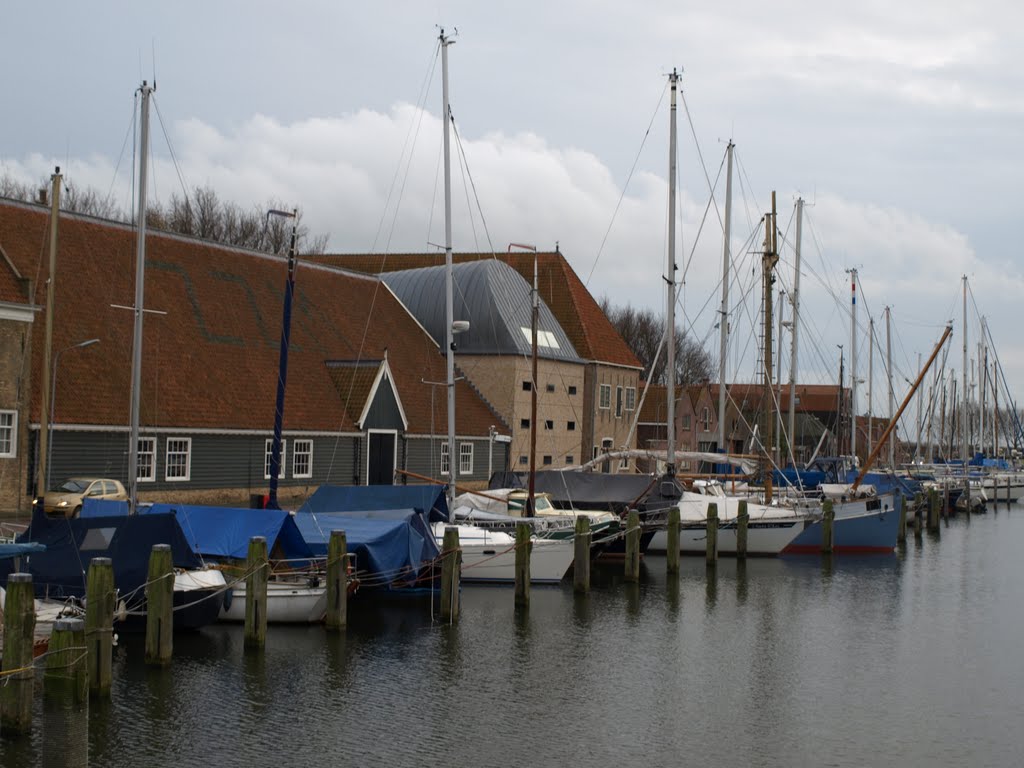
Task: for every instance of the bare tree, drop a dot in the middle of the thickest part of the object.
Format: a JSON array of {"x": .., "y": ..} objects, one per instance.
[{"x": 642, "y": 330}]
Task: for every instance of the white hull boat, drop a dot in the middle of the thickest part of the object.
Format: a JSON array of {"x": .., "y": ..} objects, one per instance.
[
  {"x": 288, "y": 602},
  {"x": 490, "y": 556}
]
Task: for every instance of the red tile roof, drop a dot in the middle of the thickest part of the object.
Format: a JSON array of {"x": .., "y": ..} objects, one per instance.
[
  {"x": 212, "y": 360},
  {"x": 11, "y": 286},
  {"x": 580, "y": 316}
]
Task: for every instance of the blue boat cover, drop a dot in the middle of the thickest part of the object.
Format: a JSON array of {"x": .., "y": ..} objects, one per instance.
[
  {"x": 388, "y": 544},
  {"x": 428, "y": 500},
  {"x": 17, "y": 550},
  {"x": 71, "y": 543}
]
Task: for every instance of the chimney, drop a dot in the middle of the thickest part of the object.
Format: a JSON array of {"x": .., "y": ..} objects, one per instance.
[{"x": 43, "y": 195}]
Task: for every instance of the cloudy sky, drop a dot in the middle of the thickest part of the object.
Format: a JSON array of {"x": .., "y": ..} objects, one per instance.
[{"x": 895, "y": 122}]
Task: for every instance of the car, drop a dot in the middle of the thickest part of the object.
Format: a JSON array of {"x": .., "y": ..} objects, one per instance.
[{"x": 67, "y": 499}]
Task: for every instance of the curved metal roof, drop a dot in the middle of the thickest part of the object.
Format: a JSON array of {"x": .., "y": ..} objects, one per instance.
[{"x": 495, "y": 300}]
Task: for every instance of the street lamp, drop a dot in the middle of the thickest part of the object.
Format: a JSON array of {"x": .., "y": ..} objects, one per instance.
[{"x": 53, "y": 401}]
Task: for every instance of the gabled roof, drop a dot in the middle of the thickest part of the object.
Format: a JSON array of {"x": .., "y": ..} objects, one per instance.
[
  {"x": 357, "y": 383},
  {"x": 212, "y": 361},
  {"x": 495, "y": 300},
  {"x": 811, "y": 398},
  {"x": 12, "y": 288},
  {"x": 588, "y": 328}
]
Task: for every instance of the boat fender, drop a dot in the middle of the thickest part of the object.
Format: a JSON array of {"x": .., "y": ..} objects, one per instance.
[
  {"x": 229, "y": 595},
  {"x": 122, "y": 611}
]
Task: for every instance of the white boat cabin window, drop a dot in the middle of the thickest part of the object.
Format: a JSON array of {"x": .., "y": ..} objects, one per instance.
[
  {"x": 8, "y": 432},
  {"x": 268, "y": 452},
  {"x": 147, "y": 460},
  {"x": 302, "y": 458},
  {"x": 178, "y": 460}
]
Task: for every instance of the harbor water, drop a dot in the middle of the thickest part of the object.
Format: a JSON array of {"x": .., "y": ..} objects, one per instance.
[{"x": 910, "y": 659}]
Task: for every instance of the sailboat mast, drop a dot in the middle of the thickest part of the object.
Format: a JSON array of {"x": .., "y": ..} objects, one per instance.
[
  {"x": 963, "y": 389},
  {"x": 723, "y": 315},
  {"x": 46, "y": 396},
  {"x": 888, "y": 370},
  {"x": 670, "y": 280},
  {"x": 871, "y": 374},
  {"x": 282, "y": 366},
  {"x": 528, "y": 511},
  {"x": 917, "y": 446},
  {"x": 795, "y": 301},
  {"x": 140, "y": 274},
  {"x": 767, "y": 266},
  {"x": 777, "y": 384},
  {"x": 853, "y": 364},
  {"x": 982, "y": 386},
  {"x": 449, "y": 302}
]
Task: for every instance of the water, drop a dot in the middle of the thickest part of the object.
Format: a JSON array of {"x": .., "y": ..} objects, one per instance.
[{"x": 912, "y": 659}]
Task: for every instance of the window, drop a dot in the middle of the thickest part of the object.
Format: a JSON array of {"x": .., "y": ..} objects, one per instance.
[
  {"x": 549, "y": 424},
  {"x": 8, "y": 434},
  {"x": 705, "y": 418},
  {"x": 623, "y": 465},
  {"x": 267, "y": 451},
  {"x": 686, "y": 422},
  {"x": 570, "y": 426},
  {"x": 523, "y": 461},
  {"x": 147, "y": 460},
  {"x": 524, "y": 423},
  {"x": 550, "y": 388},
  {"x": 630, "y": 398},
  {"x": 178, "y": 463},
  {"x": 444, "y": 459},
  {"x": 618, "y": 402},
  {"x": 527, "y": 386},
  {"x": 465, "y": 458},
  {"x": 302, "y": 458},
  {"x": 606, "y": 445},
  {"x": 547, "y": 461},
  {"x": 605, "y": 401},
  {"x": 569, "y": 460},
  {"x": 572, "y": 389},
  {"x": 595, "y": 451}
]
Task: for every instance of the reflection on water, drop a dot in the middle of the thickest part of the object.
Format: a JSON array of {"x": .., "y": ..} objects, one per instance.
[{"x": 911, "y": 658}]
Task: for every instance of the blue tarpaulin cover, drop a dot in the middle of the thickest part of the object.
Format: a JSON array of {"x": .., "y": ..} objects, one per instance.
[
  {"x": 17, "y": 550},
  {"x": 428, "y": 500}
]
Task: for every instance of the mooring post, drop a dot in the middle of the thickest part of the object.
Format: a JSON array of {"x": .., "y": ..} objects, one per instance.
[
  {"x": 337, "y": 581},
  {"x": 901, "y": 529},
  {"x": 160, "y": 606},
  {"x": 67, "y": 670},
  {"x": 524, "y": 547},
  {"x": 828, "y": 517},
  {"x": 711, "y": 528},
  {"x": 945, "y": 500},
  {"x": 19, "y": 637},
  {"x": 451, "y": 571},
  {"x": 742, "y": 522},
  {"x": 632, "y": 573},
  {"x": 99, "y": 624},
  {"x": 933, "y": 510},
  {"x": 581, "y": 555},
  {"x": 672, "y": 544},
  {"x": 257, "y": 575}
]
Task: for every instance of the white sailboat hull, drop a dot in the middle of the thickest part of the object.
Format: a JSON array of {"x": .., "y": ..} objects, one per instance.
[
  {"x": 490, "y": 556},
  {"x": 287, "y": 603}
]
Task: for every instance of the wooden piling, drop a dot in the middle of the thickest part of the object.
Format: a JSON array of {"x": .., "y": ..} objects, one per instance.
[
  {"x": 160, "y": 606},
  {"x": 451, "y": 570},
  {"x": 99, "y": 624},
  {"x": 901, "y": 530},
  {"x": 827, "y": 531},
  {"x": 337, "y": 581},
  {"x": 742, "y": 521},
  {"x": 672, "y": 547},
  {"x": 632, "y": 564},
  {"x": 67, "y": 669},
  {"x": 711, "y": 552},
  {"x": 257, "y": 574},
  {"x": 933, "y": 510},
  {"x": 524, "y": 547},
  {"x": 19, "y": 637},
  {"x": 917, "y": 523},
  {"x": 581, "y": 555}
]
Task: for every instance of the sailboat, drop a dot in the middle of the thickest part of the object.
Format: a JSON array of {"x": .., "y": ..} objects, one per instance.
[{"x": 487, "y": 555}]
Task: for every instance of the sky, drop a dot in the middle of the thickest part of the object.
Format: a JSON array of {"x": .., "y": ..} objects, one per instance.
[{"x": 895, "y": 122}]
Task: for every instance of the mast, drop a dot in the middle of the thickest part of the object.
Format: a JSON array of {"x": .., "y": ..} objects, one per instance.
[
  {"x": 282, "y": 368},
  {"x": 778, "y": 380},
  {"x": 528, "y": 511},
  {"x": 963, "y": 388},
  {"x": 449, "y": 303},
  {"x": 723, "y": 315},
  {"x": 871, "y": 373},
  {"x": 853, "y": 364},
  {"x": 931, "y": 419},
  {"x": 888, "y": 369},
  {"x": 982, "y": 386},
  {"x": 140, "y": 275},
  {"x": 768, "y": 262},
  {"x": 917, "y": 448},
  {"x": 46, "y": 397},
  {"x": 840, "y": 416},
  {"x": 795, "y": 299},
  {"x": 670, "y": 280}
]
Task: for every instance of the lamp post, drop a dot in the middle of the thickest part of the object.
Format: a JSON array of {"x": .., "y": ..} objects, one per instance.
[{"x": 53, "y": 401}]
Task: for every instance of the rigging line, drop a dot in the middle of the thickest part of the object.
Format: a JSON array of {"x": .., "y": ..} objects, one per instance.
[
  {"x": 625, "y": 186},
  {"x": 747, "y": 206},
  {"x": 472, "y": 183},
  {"x": 461, "y": 156},
  {"x": 700, "y": 156},
  {"x": 700, "y": 229},
  {"x": 170, "y": 148},
  {"x": 129, "y": 132}
]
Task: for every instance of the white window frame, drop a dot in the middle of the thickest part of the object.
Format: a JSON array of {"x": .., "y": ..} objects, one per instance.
[
  {"x": 186, "y": 443},
  {"x": 151, "y": 478},
  {"x": 624, "y": 464},
  {"x": 267, "y": 450},
  {"x": 630, "y": 398},
  {"x": 705, "y": 418},
  {"x": 12, "y": 430},
  {"x": 445, "y": 463},
  {"x": 465, "y": 451},
  {"x": 298, "y": 447},
  {"x": 604, "y": 397}
]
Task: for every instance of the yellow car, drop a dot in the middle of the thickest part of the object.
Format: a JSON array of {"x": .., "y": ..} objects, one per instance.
[{"x": 67, "y": 500}]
